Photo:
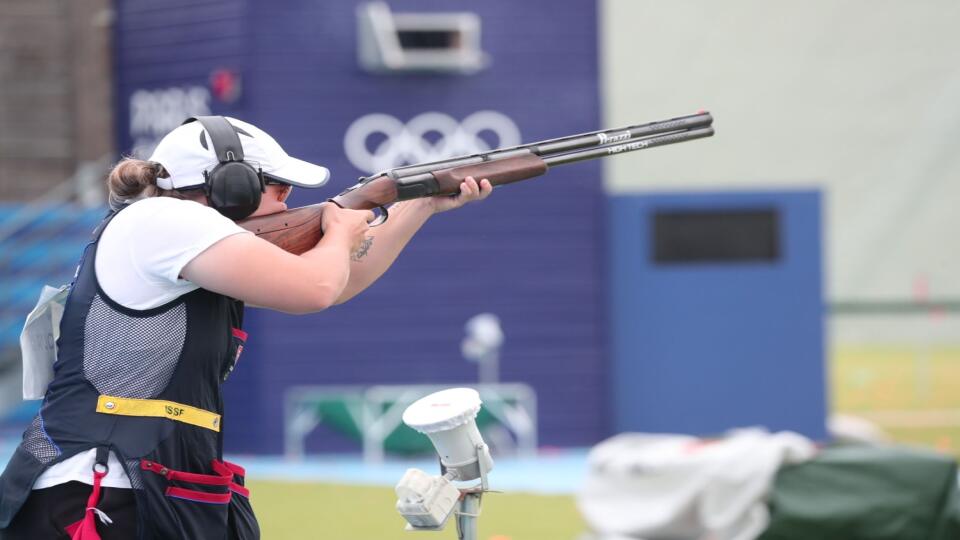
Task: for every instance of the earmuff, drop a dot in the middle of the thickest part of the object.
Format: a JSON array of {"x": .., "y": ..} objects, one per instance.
[{"x": 233, "y": 187}]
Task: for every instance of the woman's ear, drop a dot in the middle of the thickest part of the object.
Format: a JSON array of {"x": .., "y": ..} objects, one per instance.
[{"x": 280, "y": 191}]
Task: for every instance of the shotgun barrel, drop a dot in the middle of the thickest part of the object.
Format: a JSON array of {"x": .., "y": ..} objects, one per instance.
[{"x": 557, "y": 145}]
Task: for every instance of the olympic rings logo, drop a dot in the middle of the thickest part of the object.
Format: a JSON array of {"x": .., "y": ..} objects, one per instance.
[{"x": 378, "y": 141}]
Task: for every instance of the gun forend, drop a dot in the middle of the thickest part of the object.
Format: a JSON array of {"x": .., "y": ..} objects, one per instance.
[{"x": 447, "y": 181}]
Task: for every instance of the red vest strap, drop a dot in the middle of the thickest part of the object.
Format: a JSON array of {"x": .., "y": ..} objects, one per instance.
[{"x": 86, "y": 529}]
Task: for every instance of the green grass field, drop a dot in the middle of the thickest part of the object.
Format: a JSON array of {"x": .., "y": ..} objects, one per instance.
[
  {"x": 302, "y": 511},
  {"x": 913, "y": 393}
]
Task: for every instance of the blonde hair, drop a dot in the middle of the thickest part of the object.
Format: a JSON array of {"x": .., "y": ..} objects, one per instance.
[{"x": 133, "y": 178}]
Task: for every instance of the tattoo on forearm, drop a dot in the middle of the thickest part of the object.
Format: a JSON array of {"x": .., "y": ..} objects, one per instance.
[{"x": 363, "y": 250}]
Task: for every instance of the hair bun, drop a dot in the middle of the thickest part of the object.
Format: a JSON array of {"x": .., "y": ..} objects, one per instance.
[{"x": 132, "y": 178}]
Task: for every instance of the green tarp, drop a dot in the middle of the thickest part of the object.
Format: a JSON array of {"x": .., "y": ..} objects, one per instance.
[{"x": 868, "y": 493}]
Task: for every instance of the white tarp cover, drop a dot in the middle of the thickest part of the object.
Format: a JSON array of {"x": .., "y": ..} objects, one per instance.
[{"x": 659, "y": 486}]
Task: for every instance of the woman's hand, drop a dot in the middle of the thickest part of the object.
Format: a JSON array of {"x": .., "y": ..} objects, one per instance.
[
  {"x": 349, "y": 225},
  {"x": 470, "y": 191},
  {"x": 385, "y": 242}
]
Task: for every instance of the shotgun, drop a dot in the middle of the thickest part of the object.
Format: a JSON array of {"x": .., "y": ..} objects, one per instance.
[{"x": 298, "y": 230}]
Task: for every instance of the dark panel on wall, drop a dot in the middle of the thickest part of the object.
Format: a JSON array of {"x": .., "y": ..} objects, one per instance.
[
  {"x": 728, "y": 235},
  {"x": 532, "y": 254}
]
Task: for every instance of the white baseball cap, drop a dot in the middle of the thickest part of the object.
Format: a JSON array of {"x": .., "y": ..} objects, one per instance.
[{"x": 187, "y": 152}]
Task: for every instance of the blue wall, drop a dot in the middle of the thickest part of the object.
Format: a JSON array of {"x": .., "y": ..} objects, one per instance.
[
  {"x": 703, "y": 347},
  {"x": 533, "y": 254}
]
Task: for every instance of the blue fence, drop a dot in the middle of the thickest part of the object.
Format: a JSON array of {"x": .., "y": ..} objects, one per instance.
[{"x": 43, "y": 251}]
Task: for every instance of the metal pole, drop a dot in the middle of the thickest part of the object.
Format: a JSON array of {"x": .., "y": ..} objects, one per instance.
[
  {"x": 489, "y": 365},
  {"x": 467, "y": 518}
]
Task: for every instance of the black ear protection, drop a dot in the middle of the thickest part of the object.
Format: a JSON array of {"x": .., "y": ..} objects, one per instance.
[{"x": 233, "y": 187}]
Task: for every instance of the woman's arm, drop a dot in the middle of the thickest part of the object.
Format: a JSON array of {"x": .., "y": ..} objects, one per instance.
[
  {"x": 247, "y": 268},
  {"x": 384, "y": 243}
]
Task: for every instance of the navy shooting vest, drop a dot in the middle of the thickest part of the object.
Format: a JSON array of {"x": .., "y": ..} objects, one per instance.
[{"x": 146, "y": 385}]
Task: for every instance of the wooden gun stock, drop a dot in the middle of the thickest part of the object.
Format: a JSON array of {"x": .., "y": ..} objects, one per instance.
[{"x": 297, "y": 230}]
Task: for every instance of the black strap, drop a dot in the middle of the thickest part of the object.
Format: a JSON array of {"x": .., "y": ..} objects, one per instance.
[
  {"x": 103, "y": 458},
  {"x": 223, "y": 136}
]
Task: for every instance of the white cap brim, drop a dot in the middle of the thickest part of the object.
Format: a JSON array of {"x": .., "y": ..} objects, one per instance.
[{"x": 297, "y": 172}]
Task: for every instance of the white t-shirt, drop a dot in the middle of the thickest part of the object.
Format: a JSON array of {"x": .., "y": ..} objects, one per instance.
[{"x": 138, "y": 264}]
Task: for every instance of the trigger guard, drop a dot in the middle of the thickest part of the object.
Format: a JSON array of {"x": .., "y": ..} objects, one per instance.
[{"x": 381, "y": 217}]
